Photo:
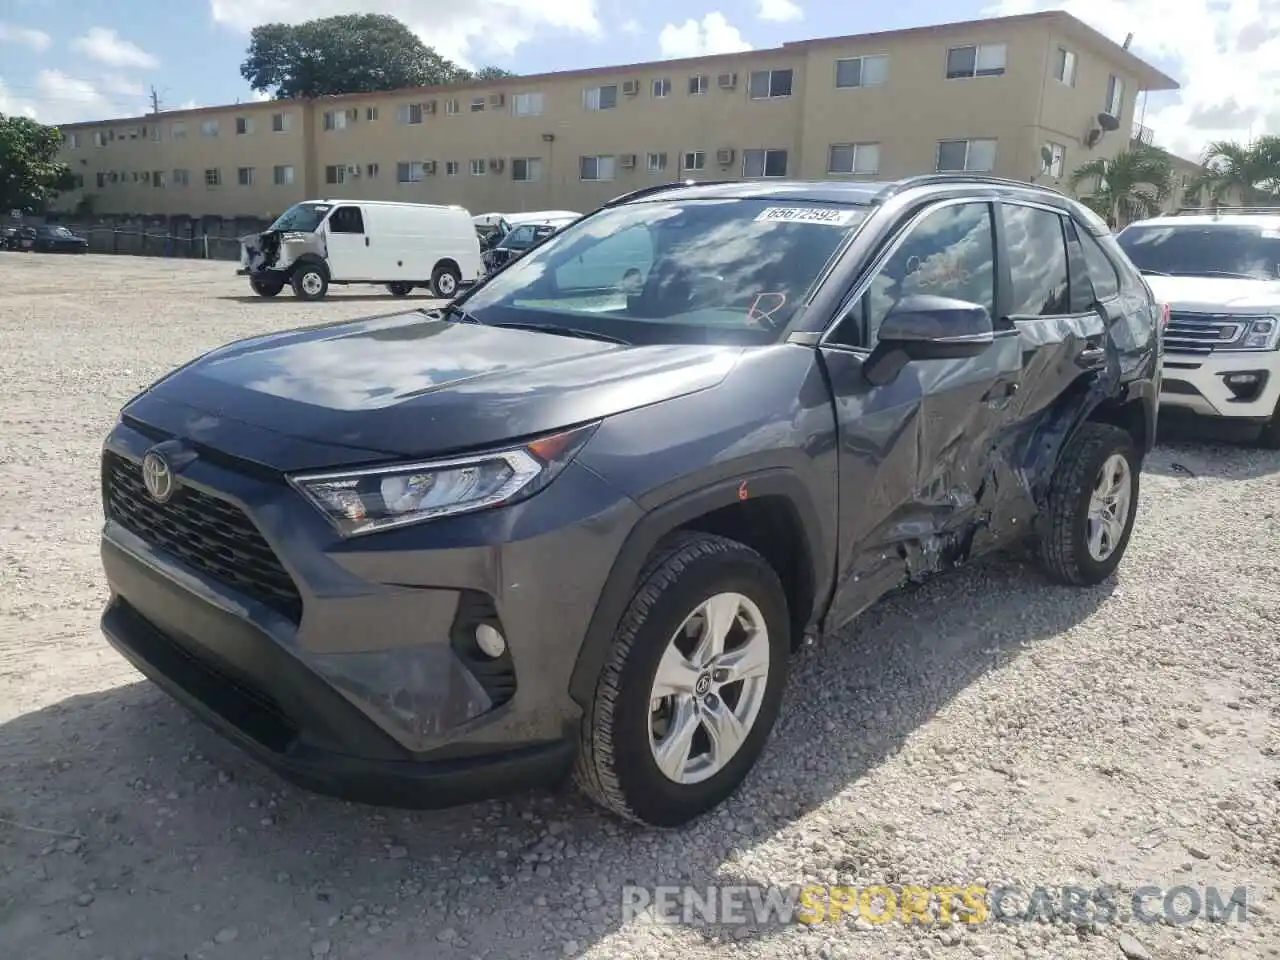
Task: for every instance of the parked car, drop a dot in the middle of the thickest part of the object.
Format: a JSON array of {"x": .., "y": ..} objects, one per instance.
[
  {"x": 18, "y": 238},
  {"x": 1220, "y": 274},
  {"x": 53, "y": 238},
  {"x": 571, "y": 523},
  {"x": 493, "y": 227},
  {"x": 402, "y": 245},
  {"x": 520, "y": 240}
]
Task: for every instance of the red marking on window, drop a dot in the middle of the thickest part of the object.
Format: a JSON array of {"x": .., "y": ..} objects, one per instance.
[
  {"x": 742, "y": 490},
  {"x": 761, "y": 316}
]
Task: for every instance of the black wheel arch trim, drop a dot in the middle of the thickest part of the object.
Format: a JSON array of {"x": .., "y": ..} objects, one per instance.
[
  {"x": 671, "y": 515},
  {"x": 309, "y": 260}
]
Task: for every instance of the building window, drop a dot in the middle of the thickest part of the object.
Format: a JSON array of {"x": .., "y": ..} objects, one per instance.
[
  {"x": 764, "y": 163},
  {"x": 282, "y": 176},
  {"x": 976, "y": 60},
  {"x": 409, "y": 113},
  {"x": 1065, "y": 67},
  {"x": 526, "y": 169},
  {"x": 526, "y": 105},
  {"x": 694, "y": 160},
  {"x": 451, "y": 108},
  {"x": 177, "y": 131},
  {"x": 209, "y": 128},
  {"x": 770, "y": 84},
  {"x": 182, "y": 178},
  {"x": 243, "y": 125},
  {"x": 372, "y": 170},
  {"x": 451, "y": 168},
  {"x": 371, "y": 114},
  {"x": 596, "y": 168},
  {"x": 600, "y": 98},
  {"x": 409, "y": 172},
  {"x": 1053, "y": 159},
  {"x": 656, "y": 162},
  {"x": 75, "y": 141},
  {"x": 477, "y": 104},
  {"x": 281, "y": 122},
  {"x": 99, "y": 138},
  {"x": 698, "y": 85},
  {"x": 862, "y": 71},
  {"x": 157, "y": 178},
  {"x": 101, "y": 179},
  {"x": 335, "y": 119},
  {"x": 244, "y": 176},
  {"x": 1115, "y": 95},
  {"x": 857, "y": 158},
  {"x": 662, "y": 87},
  {"x": 213, "y": 177},
  {"x": 967, "y": 156},
  {"x": 335, "y": 173},
  {"x": 479, "y": 168}
]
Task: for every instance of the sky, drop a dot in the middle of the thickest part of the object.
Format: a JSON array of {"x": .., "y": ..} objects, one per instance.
[{"x": 67, "y": 60}]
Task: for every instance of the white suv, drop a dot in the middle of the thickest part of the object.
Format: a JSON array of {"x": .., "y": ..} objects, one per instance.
[{"x": 1219, "y": 274}]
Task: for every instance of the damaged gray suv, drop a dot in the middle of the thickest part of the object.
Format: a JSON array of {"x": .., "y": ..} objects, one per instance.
[{"x": 575, "y": 524}]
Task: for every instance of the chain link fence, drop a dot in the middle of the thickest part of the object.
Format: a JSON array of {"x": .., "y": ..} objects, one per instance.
[{"x": 208, "y": 238}]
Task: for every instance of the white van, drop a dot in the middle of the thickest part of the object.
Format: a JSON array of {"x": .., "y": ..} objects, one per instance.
[{"x": 402, "y": 245}]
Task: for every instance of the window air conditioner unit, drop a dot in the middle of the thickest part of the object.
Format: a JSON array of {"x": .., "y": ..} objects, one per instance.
[
  {"x": 429, "y": 107},
  {"x": 727, "y": 81},
  {"x": 724, "y": 157},
  {"x": 627, "y": 160},
  {"x": 630, "y": 88},
  {"x": 496, "y": 164},
  {"x": 429, "y": 167},
  {"x": 497, "y": 100},
  {"x": 353, "y": 169},
  {"x": 353, "y": 114}
]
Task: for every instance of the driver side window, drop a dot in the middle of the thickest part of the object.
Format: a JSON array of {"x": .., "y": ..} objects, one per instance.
[
  {"x": 627, "y": 254},
  {"x": 949, "y": 253}
]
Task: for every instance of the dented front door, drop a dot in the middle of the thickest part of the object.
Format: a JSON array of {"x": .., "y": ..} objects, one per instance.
[{"x": 916, "y": 453}]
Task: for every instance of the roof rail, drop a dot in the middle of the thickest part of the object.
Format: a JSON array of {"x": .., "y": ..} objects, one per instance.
[
  {"x": 659, "y": 188},
  {"x": 1234, "y": 211},
  {"x": 934, "y": 179}
]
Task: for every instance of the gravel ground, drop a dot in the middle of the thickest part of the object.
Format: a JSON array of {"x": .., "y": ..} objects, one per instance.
[{"x": 986, "y": 728}]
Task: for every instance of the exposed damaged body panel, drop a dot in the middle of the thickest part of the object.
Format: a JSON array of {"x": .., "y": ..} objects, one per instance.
[{"x": 275, "y": 251}]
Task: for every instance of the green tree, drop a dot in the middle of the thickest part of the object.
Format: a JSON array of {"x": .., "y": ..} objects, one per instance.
[
  {"x": 353, "y": 53},
  {"x": 30, "y": 172},
  {"x": 1132, "y": 185},
  {"x": 1249, "y": 171},
  {"x": 491, "y": 73}
]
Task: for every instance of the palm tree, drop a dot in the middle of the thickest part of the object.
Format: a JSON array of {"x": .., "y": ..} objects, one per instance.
[
  {"x": 1250, "y": 171},
  {"x": 1132, "y": 185}
]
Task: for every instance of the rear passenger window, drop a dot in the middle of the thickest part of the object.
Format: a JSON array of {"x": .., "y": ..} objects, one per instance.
[
  {"x": 1037, "y": 252},
  {"x": 950, "y": 253},
  {"x": 346, "y": 220},
  {"x": 1106, "y": 282}
]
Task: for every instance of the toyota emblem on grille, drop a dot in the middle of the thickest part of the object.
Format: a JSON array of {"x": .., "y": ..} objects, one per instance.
[{"x": 157, "y": 476}]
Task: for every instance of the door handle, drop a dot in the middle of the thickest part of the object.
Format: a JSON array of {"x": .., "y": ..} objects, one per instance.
[{"x": 1091, "y": 358}]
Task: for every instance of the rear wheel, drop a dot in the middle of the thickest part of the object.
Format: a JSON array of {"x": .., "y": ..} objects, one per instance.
[
  {"x": 444, "y": 281},
  {"x": 400, "y": 289},
  {"x": 1269, "y": 438},
  {"x": 310, "y": 282},
  {"x": 266, "y": 288},
  {"x": 1093, "y": 501},
  {"x": 692, "y": 686}
]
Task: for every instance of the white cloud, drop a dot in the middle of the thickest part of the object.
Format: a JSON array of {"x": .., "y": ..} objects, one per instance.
[
  {"x": 261, "y": 96},
  {"x": 780, "y": 11},
  {"x": 189, "y": 105},
  {"x": 1224, "y": 53},
  {"x": 35, "y": 40},
  {"x": 57, "y": 98},
  {"x": 714, "y": 34},
  {"x": 106, "y": 46},
  {"x": 631, "y": 26},
  {"x": 467, "y": 33}
]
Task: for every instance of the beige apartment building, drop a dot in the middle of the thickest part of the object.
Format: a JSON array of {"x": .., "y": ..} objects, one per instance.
[{"x": 1019, "y": 97}]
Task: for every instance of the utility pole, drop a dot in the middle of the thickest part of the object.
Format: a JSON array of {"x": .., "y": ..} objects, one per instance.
[{"x": 155, "y": 100}]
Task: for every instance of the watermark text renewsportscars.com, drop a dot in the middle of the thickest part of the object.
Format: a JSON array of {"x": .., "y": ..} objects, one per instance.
[{"x": 943, "y": 904}]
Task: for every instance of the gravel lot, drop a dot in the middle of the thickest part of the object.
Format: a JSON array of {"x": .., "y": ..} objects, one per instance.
[{"x": 985, "y": 728}]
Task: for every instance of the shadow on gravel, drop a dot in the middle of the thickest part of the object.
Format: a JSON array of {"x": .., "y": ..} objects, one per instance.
[
  {"x": 1189, "y": 459},
  {"x": 174, "y": 820}
]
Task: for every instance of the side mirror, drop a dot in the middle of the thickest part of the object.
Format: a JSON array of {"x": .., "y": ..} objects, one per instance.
[{"x": 925, "y": 327}]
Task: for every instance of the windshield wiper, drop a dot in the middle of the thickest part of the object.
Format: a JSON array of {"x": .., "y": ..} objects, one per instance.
[
  {"x": 458, "y": 312},
  {"x": 1153, "y": 273},
  {"x": 563, "y": 331}
]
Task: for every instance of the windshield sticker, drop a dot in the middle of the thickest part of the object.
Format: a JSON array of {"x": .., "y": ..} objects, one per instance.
[
  {"x": 765, "y": 306},
  {"x": 826, "y": 215}
]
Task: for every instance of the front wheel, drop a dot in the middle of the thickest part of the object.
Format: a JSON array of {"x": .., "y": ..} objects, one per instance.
[
  {"x": 310, "y": 283},
  {"x": 266, "y": 288},
  {"x": 444, "y": 281},
  {"x": 1093, "y": 502},
  {"x": 692, "y": 685},
  {"x": 399, "y": 289}
]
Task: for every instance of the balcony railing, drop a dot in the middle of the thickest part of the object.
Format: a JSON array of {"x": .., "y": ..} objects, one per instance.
[{"x": 1144, "y": 135}]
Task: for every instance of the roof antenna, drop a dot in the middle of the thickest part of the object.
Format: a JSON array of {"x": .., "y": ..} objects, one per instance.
[{"x": 1128, "y": 40}]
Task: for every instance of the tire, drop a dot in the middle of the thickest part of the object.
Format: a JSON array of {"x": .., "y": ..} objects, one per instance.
[
  {"x": 444, "y": 281},
  {"x": 1269, "y": 437},
  {"x": 310, "y": 282},
  {"x": 266, "y": 288},
  {"x": 616, "y": 764},
  {"x": 400, "y": 289},
  {"x": 1064, "y": 547}
]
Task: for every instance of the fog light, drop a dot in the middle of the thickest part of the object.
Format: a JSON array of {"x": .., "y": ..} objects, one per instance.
[
  {"x": 490, "y": 641},
  {"x": 1241, "y": 379},
  {"x": 1245, "y": 385}
]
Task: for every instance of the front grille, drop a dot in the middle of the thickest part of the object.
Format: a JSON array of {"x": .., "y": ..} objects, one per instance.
[
  {"x": 206, "y": 533},
  {"x": 1200, "y": 333}
]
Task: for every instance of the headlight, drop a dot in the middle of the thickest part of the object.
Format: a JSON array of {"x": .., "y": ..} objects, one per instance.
[
  {"x": 1257, "y": 334},
  {"x": 379, "y": 498}
]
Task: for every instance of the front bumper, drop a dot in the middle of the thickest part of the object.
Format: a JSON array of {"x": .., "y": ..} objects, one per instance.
[
  {"x": 346, "y": 668},
  {"x": 1196, "y": 392}
]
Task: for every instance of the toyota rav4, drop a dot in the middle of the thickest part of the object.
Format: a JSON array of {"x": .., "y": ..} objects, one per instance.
[{"x": 576, "y": 523}]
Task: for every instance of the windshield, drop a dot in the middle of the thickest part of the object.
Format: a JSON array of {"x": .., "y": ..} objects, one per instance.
[
  {"x": 1208, "y": 250},
  {"x": 688, "y": 271},
  {"x": 302, "y": 217}
]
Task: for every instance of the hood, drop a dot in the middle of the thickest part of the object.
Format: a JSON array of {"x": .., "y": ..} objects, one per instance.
[
  {"x": 1216, "y": 294},
  {"x": 410, "y": 385}
]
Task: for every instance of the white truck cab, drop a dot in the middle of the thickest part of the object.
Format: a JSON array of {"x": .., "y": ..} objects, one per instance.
[{"x": 1219, "y": 274}]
